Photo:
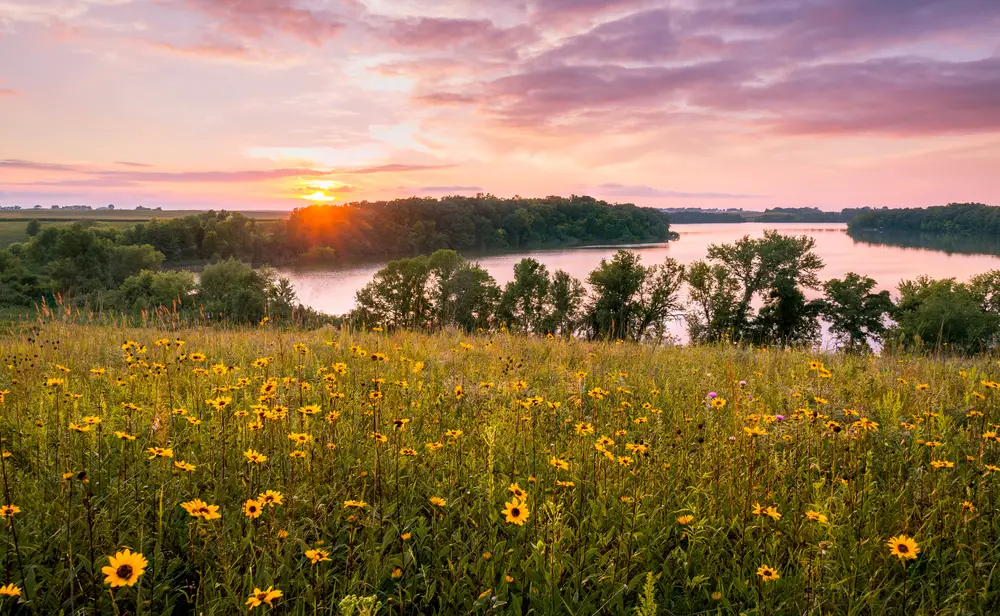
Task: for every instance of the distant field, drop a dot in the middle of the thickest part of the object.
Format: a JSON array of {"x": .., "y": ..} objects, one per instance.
[
  {"x": 13, "y": 231},
  {"x": 122, "y": 215},
  {"x": 13, "y": 223}
]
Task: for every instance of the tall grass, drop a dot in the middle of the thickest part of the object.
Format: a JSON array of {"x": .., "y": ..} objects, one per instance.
[{"x": 696, "y": 500}]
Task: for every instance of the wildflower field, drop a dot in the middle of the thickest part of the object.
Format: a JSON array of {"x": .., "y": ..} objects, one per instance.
[{"x": 212, "y": 471}]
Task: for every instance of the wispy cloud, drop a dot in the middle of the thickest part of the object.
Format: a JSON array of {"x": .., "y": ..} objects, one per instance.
[
  {"x": 638, "y": 190},
  {"x": 391, "y": 168},
  {"x": 450, "y": 189},
  {"x": 860, "y": 102}
]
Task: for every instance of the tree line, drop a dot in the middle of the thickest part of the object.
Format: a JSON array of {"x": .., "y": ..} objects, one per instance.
[
  {"x": 973, "y": 219},
  {"x": 752, "y": 291},
  {"x": 93, "y": 264},
  {"x": 323, "y": 233},
  {"x": 769, "y": 215}
]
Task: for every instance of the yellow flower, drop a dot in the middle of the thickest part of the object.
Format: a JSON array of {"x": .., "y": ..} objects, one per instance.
[
  {"x": 124, "y": 568},
  {"x": 316, "y": 556},
  {"x": 354, "y": 504},
  {"x": 270, "y": 498},
  {"x": 397, "y": 573},
  {"x": 198, "y": 508},
  {"x": 160, "y": 452},
  {"x": 816, "y": 517},
  {"x": 10, "y": 590},
  {"x": 438, "y": 501},
  {"x": 767, "y": 574},
  {"x": 252, "y": 508},
  {"x": 8, "y": 511},
  {"x": 903, "y": 547},
  {"x": 184, "y": 466},
  {"x": 516, "y": 512},
  {"x": 263, "y": 596},
  {"x": 684, "y": 520},
  {"x": 559, "y": 463},
  {"x": 254, "y": 457}
]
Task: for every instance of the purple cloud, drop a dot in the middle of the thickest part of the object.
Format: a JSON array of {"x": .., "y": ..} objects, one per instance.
[
  {"x": 12, "y": 163},
  {"x": 438, "y": 33},
  {"x": 257, "y": 19}
]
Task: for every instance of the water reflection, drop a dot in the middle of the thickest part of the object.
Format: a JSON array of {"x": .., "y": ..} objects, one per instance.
[
  {"x": 950, "y": 244},
  {"x": 332, "y": 289}
]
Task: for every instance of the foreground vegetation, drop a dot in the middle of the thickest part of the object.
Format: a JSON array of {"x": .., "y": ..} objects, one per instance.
[{"x": 214, "y": 471}]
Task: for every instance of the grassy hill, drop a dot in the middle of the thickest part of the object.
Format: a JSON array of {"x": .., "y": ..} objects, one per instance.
[
  {"x": 492, "y": 474},
  {"x": 13, "y": 223}
]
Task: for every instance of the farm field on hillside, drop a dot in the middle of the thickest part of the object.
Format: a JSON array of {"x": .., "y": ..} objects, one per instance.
[
  {"x": 13, "y": 223},
  {"x": 214, "y": 471}
]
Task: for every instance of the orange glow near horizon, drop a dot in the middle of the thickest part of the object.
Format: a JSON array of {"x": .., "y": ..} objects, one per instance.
[{"x": 319, "y": 196}]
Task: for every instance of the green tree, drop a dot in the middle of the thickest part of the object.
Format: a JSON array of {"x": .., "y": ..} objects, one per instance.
[
  {"x": 710, "y": 308},
  {"x": 397, "y": 296},
  {"x": 233, "y": 290},
  {"x": 943, "y": 315},
  {"x": 524, "y": 303},
  {"x": 125, "y": 261},
  {"x": 857, "y": 315},
  {"x": 772, "y": 271},
  {"x": 149, "y": 289},
  {"x": 282, "y": 301},
  {"x": 786, "y": 318},
  {"x": 33, "y": 227},
  {"x": 19, "y": 286},
  {"x": 467, "y": 298},
  {"x": 565, "y": 303},
  {"x": 631, "y": 301}
]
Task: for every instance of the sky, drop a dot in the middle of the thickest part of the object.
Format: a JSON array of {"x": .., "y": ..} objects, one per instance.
[{"x": 275, "y": 104}]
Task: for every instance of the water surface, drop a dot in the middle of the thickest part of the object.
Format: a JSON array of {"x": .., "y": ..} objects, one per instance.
[{"x": 332, "y": 289}]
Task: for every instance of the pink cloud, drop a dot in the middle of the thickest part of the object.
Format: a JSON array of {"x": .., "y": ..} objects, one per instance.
[
  {"x": 392, "y": 168},
  {"x": 259, "y": 18},
  {"x": 445, "y": 99},
  {"x": 7, "y": 92},
  {"x": 230, "y": 51},
  {"x": 438, "y": 33}
]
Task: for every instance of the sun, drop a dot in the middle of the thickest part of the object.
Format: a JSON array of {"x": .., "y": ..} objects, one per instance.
[{"x": 319, "y": 196}]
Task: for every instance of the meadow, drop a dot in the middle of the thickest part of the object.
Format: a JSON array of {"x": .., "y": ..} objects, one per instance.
[
  {"x": 14, "y": 223},
  {"x": 257, "y": 470}
]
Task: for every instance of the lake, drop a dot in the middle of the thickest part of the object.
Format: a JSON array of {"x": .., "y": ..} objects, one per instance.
[{"x": 332, "y": 289}]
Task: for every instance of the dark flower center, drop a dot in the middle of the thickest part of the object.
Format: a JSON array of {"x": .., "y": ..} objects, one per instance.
[
  {"x": 903, "y": 548},
  {"x": 124, "y": 572},
  {"x": 516, "y": 512},
  {"x": 261, "y": 596}
]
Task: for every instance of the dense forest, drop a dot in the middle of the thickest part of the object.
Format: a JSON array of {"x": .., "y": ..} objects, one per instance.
[
  {"x": 402, "y": 227},
  {"x": 972, "y": 219},
  {"x": 82, "y": 262},
  {"x": 770, "y": 215}
]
